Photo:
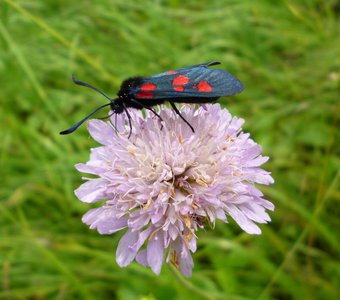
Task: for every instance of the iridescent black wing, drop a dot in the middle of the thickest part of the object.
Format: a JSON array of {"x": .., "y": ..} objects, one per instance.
[{"x": 190, "y": 82}]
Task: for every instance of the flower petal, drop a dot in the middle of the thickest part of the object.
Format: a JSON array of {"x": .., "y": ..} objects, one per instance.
[
  {"x": 104, "y": 219},
  {"x": 141, "y": 258},
  {"x": 155, "y": 253},
  {"x": 125, "y": 254},
  {"x": 92, "y": 191},
  {"x": 242, "y": 220},
  {"x": 101, "y": 131}
]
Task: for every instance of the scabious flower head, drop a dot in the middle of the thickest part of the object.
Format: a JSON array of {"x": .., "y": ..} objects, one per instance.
[{"x": 165, "y": 182}]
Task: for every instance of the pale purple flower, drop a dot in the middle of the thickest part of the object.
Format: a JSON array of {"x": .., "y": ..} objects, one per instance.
[{"x": 165, "y": 182}]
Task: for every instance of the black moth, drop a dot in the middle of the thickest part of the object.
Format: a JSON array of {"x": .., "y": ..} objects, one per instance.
[{"x": 195, "y": 84}]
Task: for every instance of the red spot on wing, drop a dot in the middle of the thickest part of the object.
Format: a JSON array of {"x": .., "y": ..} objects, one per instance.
[
  {"x": 179, "y": 88},
  {"x": 171, "y": 72},
  {"x": 204, "y": 87},
  {"x": 148, "y": 86},
  {"x": 180, "y": 80},
  {"x": 145, "y": 94}
]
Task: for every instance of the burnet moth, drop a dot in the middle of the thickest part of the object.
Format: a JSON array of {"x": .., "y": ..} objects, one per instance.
[{"x": 195, "y": 84}]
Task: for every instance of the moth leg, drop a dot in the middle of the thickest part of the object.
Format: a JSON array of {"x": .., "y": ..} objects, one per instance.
[
  {"x": 177, "y": 112},
  {"x": 148, "y": 108},
  {"x": 129, "y": 117},
  {"x": 109, "y": 116},
  {"x": 116, "y": 122},
  {"x": 156, "y": 114}
]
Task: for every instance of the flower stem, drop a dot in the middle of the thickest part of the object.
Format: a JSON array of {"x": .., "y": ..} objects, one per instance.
[{"x": 190, "y": 286}]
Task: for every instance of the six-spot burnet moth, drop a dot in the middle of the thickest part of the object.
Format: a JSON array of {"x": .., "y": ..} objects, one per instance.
[{"x": 195, "y": 84}]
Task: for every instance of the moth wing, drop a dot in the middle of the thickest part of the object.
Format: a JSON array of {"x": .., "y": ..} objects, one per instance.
[{"x": 193, "y": 81}]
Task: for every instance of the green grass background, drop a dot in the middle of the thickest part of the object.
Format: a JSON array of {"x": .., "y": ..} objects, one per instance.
[{"x": 287, "y": 54}]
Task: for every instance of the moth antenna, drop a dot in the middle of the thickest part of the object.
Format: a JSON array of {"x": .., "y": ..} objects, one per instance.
[
  {"x": 89, "y": 86},
  {"x": 75, "y": 126}
]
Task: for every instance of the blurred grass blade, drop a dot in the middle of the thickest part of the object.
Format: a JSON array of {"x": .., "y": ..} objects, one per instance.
[
  {"x": 59, "y": 37},
  {"x": 22, "y": 61}
]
